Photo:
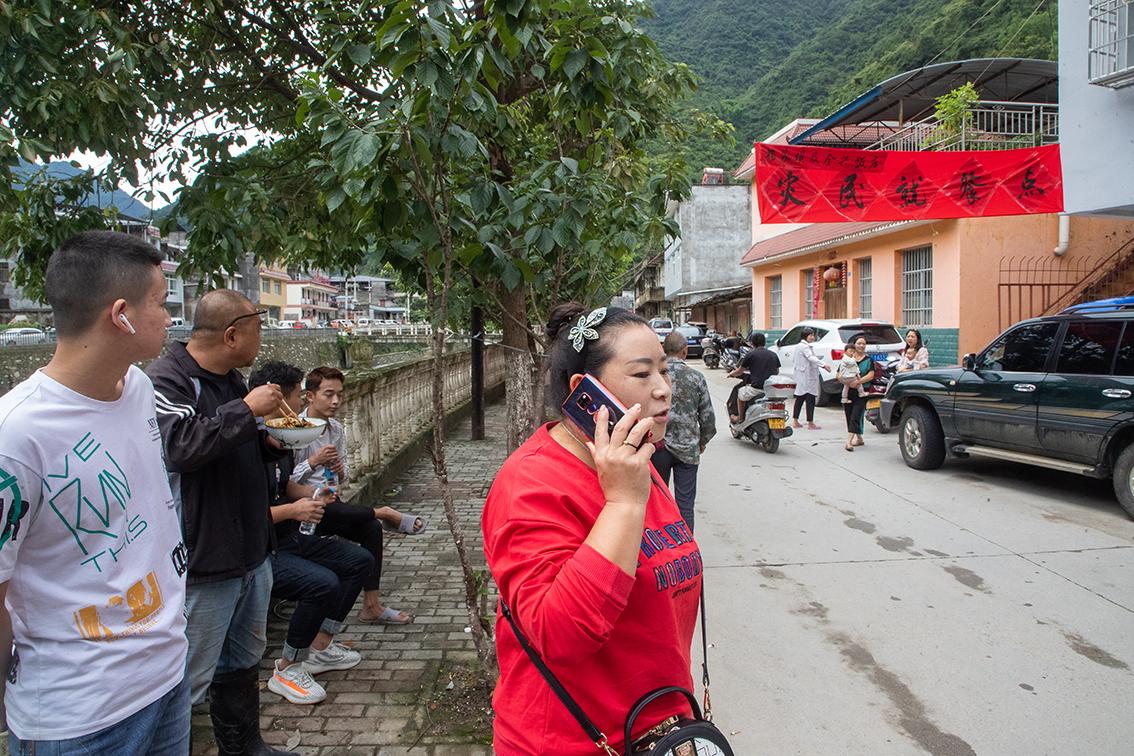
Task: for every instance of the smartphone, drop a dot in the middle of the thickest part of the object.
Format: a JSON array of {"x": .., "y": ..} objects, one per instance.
[{"x": 582, "y": 404}]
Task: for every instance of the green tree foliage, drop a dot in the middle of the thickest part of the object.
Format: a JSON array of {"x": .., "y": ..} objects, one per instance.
[{"x": 764, "y": 64}]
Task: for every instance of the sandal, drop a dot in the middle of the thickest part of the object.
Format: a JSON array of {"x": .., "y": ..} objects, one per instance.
[
  {"x": 849, "y": 448},
  {"x": 387, "y": 617},
  {"x": 407, "y": 525}
]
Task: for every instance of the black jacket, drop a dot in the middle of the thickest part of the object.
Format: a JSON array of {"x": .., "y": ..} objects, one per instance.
[{"x": 215, "y": 455}]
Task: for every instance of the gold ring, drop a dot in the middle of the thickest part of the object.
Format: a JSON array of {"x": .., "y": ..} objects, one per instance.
[{"x": 628, "y": 442}]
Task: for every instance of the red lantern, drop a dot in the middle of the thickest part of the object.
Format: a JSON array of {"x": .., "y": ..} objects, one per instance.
[{"x": 831, "y": 275}]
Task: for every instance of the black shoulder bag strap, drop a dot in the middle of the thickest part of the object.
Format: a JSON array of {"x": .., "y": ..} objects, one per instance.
[{"x": 593, "y": 732}]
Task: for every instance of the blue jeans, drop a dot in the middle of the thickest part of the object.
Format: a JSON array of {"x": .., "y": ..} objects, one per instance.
[
  {"x": 324, "y": 576},
  {"x": 684, "y": 481},
  {"x": 160, "y": 729},
  {"x": 227, "y": 626}
]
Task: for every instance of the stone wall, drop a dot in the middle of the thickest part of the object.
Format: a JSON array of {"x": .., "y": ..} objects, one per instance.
[{"x": 305, "y": 351}]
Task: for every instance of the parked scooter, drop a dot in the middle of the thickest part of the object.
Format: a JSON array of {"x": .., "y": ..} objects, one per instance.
[
  {"x": 709, "y": 353},
  {"x": 765, "y": 417},
  {"x": 731, "y": 356},
  {"x": 884, "y": 371}
]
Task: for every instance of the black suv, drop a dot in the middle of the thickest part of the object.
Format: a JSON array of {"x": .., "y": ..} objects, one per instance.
[{"x": 1053, "y": 391}]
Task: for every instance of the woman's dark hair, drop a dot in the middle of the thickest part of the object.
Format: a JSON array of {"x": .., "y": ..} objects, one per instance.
[
  {"x": 916, "y": 333},
  {"x": 564, "y": 361},
  {"x": 286, "y": 376}
]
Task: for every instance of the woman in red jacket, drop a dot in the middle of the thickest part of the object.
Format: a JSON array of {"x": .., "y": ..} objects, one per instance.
[{"x": 590, "y": 551}]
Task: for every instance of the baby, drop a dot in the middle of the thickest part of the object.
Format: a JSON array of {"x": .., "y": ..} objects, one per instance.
[{"x": 848, "y": 370}]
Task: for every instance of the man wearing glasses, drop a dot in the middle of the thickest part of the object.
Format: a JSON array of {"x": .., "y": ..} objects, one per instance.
[{"x": 215, "y": 453}]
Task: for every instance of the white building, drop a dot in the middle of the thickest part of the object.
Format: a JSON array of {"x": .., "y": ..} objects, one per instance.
[
  {"x": 311, "y": 300},
  {"x": 715, "y": 233},
  {"x": 1096, "y": 96}
]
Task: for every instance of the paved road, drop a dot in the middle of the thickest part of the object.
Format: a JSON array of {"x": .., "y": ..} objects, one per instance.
[{"x": 857, "y": 606}]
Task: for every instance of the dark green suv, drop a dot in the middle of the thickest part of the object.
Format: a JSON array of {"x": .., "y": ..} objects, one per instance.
[{"x": 1054, "y": 391}]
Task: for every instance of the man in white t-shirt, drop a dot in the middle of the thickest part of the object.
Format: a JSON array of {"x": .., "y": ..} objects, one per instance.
[{"x": 92, "y": 565}]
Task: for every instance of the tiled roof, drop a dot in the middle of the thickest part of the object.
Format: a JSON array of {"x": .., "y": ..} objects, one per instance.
[{"x": 817, "y": 235}]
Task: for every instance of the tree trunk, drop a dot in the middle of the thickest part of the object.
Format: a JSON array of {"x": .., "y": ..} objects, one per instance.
[
  {"x": 485, "y": 648},
  {"x": 517, "y": 368}
]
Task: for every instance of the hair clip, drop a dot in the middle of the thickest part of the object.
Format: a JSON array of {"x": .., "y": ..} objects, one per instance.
[{"x": 584, "y": 330}]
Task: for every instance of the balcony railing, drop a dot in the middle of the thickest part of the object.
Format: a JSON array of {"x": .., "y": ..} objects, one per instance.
[
  {"x": 1110, "y": 58},
  {"x": 990, "y": 125}
]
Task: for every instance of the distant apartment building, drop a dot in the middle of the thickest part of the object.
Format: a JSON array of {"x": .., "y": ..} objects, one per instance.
[
  {"x": 311, "y": 299},
  {"x": 273, "y": 291},
  {"x": 371, "y": 297}
]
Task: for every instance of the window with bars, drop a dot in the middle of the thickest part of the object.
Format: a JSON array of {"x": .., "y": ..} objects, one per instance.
[
  {"x": 809, "y": 293},
  {"x": 917, "y": 286},
  {"x": 865, "y": 288},
  {"x": 1110, "y": 57},
  {"x": 266, "y": 286},
  {"x": 278, "y": 288},
  {"x": 171, "y": 288},
  {"x": 776, "y": 302}
]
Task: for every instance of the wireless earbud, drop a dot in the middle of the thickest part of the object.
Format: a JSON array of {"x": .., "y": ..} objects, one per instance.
[{"x": 126, "y": 322}]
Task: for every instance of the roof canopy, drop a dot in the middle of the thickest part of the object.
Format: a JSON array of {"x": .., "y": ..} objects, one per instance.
[{"x": 912, "y": 95}]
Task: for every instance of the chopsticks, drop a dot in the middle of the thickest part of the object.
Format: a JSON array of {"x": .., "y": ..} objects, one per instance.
[{"x": 289, "y": 412}]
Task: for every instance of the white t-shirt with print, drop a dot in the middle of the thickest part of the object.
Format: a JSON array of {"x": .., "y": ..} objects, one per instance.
[{"x": 91, "y": 549}]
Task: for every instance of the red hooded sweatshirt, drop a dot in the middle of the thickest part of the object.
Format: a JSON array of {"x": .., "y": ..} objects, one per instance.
[{"x": 609, "y": 637}]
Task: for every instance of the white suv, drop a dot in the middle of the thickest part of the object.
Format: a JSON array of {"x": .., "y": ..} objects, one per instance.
[
  {"x": 831, "y": 337},
  {"x": 662, "y": 327}
]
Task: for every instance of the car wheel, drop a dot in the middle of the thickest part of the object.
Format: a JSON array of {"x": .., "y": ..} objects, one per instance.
[
  {"x": 921, "y": 439},
  {"x": 770, "y": 444},
  {"x": 824, "y": 399},
  {"x": 1124, "y": 479}
]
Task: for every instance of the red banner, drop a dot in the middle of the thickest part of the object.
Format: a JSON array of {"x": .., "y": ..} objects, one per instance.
[{"x": 832, "y": 185}]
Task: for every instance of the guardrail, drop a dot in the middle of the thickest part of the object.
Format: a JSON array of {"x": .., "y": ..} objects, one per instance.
[
  {"x": 26, "y": 339},
  {"x": 386, "y": 410}
]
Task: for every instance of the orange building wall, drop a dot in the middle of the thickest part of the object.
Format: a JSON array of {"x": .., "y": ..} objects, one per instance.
[{"x": 987, "y": 241}]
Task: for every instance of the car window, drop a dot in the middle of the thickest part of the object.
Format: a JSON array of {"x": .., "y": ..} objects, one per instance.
[
  {"x": 791, "y": 337},
  {"x": 1124, "y": 364},
  {"x": 1021, "y": 350},
  {"x": 1089, "y": 347},
  {"x": 875, "y": 334}
]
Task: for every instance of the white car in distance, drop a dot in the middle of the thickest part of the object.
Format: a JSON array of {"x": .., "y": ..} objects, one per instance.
[{"x": 831, "y": 337}]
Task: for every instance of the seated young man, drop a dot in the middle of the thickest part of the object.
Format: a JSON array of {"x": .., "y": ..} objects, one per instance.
[
  {"x": 322, "y": 575},
  {"x": 361, "y": 524}
]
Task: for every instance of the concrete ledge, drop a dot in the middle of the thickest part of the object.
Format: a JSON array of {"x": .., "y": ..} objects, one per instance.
[{"x": 370, "y": 487}]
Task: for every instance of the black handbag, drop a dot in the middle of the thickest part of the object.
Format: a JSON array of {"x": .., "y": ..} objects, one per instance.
[{"x": 676, "y": 736}]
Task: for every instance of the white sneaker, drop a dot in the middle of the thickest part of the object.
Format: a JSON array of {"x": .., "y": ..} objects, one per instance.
[
  {"x": 334, "y": 656},
  {"x": 296, "y": 684}
]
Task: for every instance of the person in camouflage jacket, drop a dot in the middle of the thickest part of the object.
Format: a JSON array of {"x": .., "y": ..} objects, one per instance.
[{"x": 691, "y": 425}]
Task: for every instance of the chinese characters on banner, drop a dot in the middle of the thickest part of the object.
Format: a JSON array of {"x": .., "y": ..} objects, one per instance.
[{"x": 833, "y": 185}]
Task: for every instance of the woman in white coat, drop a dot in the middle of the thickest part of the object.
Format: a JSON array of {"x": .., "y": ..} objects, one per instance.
[{"x": 805, "y": 366}]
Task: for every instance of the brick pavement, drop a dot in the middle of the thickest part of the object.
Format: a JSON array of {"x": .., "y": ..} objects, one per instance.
[{"x": 379, "y": 706}]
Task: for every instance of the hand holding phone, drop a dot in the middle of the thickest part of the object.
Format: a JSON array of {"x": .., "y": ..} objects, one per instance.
[
  {"x": 584, "y": 402},
  {"x": 619, "y": 435}
]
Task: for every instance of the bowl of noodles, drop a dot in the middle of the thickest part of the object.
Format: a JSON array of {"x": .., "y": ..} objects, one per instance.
[{"x": 295, "y": 432}]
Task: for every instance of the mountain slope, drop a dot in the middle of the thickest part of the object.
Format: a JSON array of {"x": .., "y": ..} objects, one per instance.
[{"x": 764, "y": 64}]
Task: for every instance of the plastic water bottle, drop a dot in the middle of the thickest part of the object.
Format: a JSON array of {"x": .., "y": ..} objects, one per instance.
[
  {"x": 331, "y": 481},
  {"x": 308, "y": 528}
]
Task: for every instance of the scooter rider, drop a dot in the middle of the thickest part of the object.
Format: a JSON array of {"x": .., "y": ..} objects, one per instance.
[{"x": 760, "y": 364}]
